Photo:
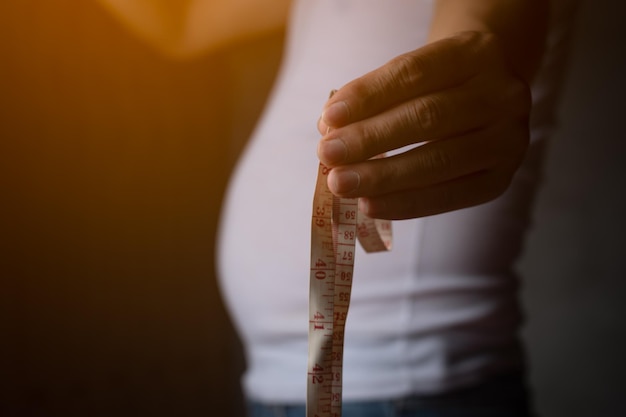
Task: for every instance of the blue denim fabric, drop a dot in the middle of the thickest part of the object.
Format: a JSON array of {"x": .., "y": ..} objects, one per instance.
[{"x": 501, "y": 397}]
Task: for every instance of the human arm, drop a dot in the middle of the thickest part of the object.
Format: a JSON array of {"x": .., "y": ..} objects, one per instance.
[
  {"x": 183, "y": 28},
  {"x": 464, "y": 97}
]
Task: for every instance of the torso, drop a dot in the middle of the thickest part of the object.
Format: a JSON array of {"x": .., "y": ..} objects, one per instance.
[{"x": 438, "y": 311}]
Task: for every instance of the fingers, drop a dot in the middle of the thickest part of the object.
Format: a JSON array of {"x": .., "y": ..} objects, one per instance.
[
  {"x": 430, "y": 164},
  {"x": 438, "y": 115},
  {"x": 461, "y": 193},
  {"x": 493, "y": 96},
  {"x": 457, "y": 101},
  {"x": 439, "y": 65}
]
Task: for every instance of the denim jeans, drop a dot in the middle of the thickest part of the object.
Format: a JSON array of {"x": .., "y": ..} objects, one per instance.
[{"x": 504, "y": 396}]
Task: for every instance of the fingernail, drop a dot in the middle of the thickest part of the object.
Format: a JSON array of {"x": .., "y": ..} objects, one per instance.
[
  {"x": 332, "y": 151},
  {"x": 336, "y": 114},
  {"x": 321, "y": 126},
  {"x": 343, "y": 182}
]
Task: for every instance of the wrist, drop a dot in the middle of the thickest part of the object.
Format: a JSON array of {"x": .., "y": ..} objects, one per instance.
[{"x": 519, "y": 26}]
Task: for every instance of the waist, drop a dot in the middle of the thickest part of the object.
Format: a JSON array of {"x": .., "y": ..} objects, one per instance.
[{"x": 500, "y": 394}]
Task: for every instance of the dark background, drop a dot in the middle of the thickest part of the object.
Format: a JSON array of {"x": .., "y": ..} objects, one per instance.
[
  {"x": 113, "y": 162},
  {"x": 575, "y": 262}
]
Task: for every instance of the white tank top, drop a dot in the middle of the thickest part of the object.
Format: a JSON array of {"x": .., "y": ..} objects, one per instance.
[{"x": 437, "y": 312}]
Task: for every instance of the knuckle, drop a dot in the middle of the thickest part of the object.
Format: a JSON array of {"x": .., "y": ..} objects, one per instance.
[
  {"x": 376, "y": 135},
  {"x": 365, "y": 140},
  {"x": 478, "y": 41},
  {"x": 362, "y": 89},
  {"x": 425, "y": 114},
  {"x": 359, "y": 98},
  {"x": 383, "y": 176},
  {"x": 356, "y": 148},
  {"x": 490, "y": 44},
  {"x": 436, "y": 162},
  {"x": 406, "y": 69},
  {"x": 390, "y": 174}
]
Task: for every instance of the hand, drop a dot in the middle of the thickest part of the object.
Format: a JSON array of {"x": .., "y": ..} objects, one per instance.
[{"x": 456, "y": 98}]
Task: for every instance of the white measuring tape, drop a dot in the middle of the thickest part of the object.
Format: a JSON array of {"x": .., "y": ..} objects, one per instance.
[{"x": 336, "y": 224}]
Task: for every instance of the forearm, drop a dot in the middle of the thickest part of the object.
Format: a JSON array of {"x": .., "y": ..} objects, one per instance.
[
  {"x": 186, "y": 27},
  {"x": 520, "y": 25}
]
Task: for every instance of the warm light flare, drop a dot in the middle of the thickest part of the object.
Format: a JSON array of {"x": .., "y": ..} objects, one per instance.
[{"x": 188, "y": 28}]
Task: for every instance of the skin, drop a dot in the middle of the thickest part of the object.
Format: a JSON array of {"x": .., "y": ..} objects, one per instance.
[{"x": 464, "y": 98}]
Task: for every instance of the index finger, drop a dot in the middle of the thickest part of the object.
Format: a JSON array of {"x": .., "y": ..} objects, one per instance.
[{"x": 436, "y": 66}]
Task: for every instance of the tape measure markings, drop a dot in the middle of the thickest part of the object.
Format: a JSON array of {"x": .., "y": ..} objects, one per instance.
[{"x": 336, "y": 224}]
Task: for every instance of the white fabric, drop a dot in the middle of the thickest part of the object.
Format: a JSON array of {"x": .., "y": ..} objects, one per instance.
[{"x": 438, "y": 311}]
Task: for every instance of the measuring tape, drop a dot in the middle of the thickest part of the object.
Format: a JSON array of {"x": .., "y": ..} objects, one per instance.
[{"x": 336, "y": 225}]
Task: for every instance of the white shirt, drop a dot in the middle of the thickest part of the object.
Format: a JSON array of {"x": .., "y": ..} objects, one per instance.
[{"x": 438, "y": 311}]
